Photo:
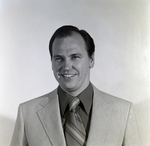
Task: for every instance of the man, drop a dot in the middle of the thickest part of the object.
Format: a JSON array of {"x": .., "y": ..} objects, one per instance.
[{"x": 76, "y": 113}]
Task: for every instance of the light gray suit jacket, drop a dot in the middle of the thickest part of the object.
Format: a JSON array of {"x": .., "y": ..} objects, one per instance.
[{"x": 112, "y": 123}]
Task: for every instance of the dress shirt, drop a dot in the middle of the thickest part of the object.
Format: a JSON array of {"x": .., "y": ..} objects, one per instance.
[{"x": 84, "y": 108}]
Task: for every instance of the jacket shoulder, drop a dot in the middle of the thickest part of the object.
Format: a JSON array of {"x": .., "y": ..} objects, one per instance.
[
  {"x": 113, "y": 101},
  {"x": 36, "y": 101}
]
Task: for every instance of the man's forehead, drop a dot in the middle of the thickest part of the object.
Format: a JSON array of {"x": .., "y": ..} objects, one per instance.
[
  {"x": 72, "y": 35},
  {"x": 72, "y": 40},
  {"x": 68, "y": 51},
  {"x": 69, "y": 46},
  {"x": 68, "y": 34}
]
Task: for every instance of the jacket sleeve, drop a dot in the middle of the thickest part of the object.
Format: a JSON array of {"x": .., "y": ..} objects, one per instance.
[
  {"x": 132, "y": 137},
  {"x": 19, "y": 136}
]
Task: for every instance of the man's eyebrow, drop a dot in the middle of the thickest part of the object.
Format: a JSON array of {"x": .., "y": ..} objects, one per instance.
[
  {"x": 75, "y": 54},
  {"x": 57, "y": 56}
]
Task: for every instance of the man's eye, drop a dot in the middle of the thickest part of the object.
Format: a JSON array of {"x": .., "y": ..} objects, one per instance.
[
  {"x": 75, "y": 57},
  {"x": 58, "y": 59}
]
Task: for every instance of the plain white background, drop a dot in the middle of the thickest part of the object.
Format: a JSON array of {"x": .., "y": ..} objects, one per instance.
[{"x": 120, "y": 29}]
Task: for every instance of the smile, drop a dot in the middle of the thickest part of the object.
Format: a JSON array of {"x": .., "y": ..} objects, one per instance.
[{"x": 68, "y": 76}]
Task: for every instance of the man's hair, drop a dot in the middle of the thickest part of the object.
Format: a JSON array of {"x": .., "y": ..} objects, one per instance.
[{"x": 68, "y": 30}]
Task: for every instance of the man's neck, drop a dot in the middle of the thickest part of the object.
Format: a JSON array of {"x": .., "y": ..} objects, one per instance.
[{"x": 76, "y": 92}]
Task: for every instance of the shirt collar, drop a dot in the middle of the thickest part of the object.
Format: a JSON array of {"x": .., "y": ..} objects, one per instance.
[{"x": 86, "y": 98}]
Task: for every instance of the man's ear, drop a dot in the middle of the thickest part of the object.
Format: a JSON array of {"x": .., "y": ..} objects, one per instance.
[
  {"x": 92, "y": 61},
  {"x": 52, "y": 65}
]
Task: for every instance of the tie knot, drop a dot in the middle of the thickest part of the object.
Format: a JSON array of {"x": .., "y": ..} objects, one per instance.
[{"x": 73, "y": 103}]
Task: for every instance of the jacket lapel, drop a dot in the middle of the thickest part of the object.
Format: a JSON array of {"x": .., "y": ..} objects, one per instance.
[
  {"x": 101, "y": 119},
  {"x": 50, "y": 118}
]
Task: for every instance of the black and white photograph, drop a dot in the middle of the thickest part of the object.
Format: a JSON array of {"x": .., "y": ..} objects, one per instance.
[{"x": 74, "y": 73}]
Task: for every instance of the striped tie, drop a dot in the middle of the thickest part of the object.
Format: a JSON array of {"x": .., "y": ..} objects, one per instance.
[{"x": 74, "y": 128}]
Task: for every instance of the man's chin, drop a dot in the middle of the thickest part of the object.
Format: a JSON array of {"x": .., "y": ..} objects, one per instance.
[{"x": 69, "y": 88}]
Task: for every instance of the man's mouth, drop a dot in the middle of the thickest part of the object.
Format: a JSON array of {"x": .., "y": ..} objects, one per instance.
[
  {"x": 65, "y": 76},
  {"x": 68, "y": 76}
]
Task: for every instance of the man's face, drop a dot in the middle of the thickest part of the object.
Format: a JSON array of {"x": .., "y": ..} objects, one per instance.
[{"x": 71, "y": 63}]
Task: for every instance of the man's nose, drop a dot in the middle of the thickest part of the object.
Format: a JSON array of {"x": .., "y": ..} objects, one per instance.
[{"x": 67, "y": 65}]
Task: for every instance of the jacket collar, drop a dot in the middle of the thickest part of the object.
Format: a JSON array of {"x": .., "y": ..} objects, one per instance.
[
  {"x": 102, "y": 113},
  {"x": 50, "y": 117}
]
